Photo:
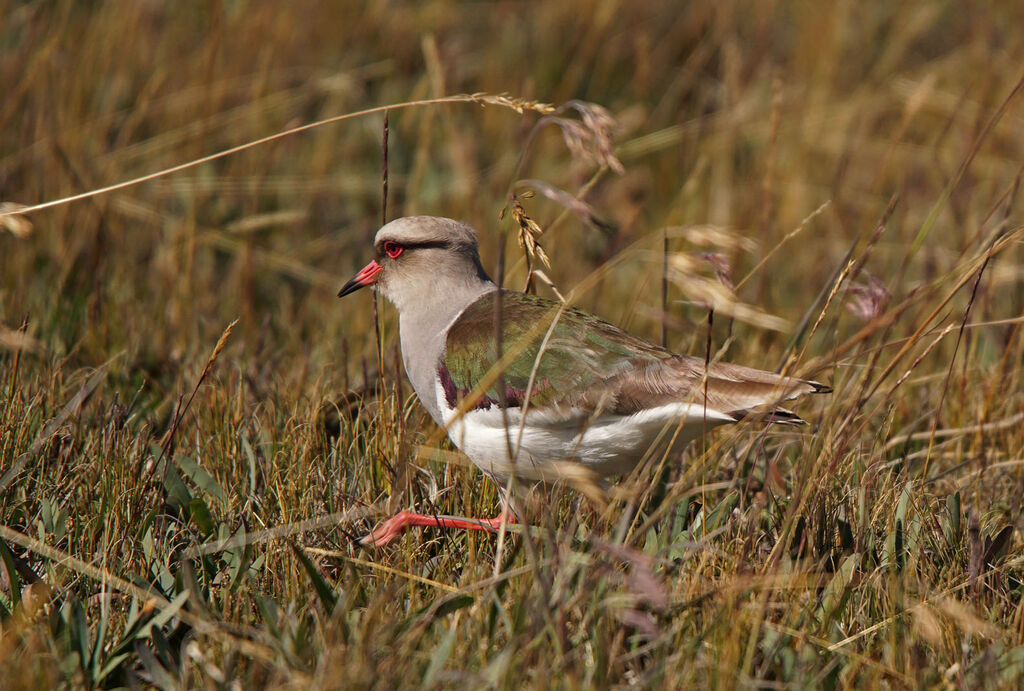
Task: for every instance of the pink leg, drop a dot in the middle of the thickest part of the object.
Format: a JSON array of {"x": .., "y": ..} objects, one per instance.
[{"x": 392, "y": 528}]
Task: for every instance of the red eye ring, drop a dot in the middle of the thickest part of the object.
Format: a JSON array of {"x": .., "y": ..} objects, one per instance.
[{"x": 393, "y": 249}]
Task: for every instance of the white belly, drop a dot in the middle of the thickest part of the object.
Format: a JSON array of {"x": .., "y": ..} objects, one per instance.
[{"x": 608, "y": 444}]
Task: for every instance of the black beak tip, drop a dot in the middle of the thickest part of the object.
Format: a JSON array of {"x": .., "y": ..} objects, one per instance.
[
  {"x": 349, "y": 288},
  {"x": 352, "y": 286}
]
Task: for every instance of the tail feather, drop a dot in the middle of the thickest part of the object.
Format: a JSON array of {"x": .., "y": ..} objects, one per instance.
[
  {"x": 818, "y": 387},
  {"x": 782, "y": 416},
  {"x": 779, "y": 416}
]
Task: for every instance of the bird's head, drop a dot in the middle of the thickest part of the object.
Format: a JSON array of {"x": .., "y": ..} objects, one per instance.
[{"x": 420, "y": 259}]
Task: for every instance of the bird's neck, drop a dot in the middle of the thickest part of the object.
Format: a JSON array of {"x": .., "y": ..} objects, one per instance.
[
  {"x": 423, "y": 328},
  {"x": 435, "y": 305}
]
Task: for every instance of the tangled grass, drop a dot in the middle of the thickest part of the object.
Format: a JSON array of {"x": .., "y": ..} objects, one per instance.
[{"x": 178, "y": 496}]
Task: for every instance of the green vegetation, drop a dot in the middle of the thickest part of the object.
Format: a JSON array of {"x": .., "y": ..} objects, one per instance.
[{"x": 174, "y": 518}]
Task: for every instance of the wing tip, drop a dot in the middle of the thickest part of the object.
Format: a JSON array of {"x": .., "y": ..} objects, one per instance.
[
  {"x": 779, "y": 416},
  {"x": 818, "y": 387}
]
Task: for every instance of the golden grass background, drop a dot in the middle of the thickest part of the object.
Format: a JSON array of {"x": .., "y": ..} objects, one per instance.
[{"x": 881, "y": 544}]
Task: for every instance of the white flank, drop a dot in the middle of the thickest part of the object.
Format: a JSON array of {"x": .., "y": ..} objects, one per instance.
[{"x": 609, "y": 444}]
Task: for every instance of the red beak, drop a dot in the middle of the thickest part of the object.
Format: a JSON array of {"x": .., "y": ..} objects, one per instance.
[{"x": 366, "y": 277}]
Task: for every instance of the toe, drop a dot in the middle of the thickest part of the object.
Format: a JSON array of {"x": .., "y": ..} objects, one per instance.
[
  {"x": 387, "y": 532},
  {"x": 378, "y": 537}
]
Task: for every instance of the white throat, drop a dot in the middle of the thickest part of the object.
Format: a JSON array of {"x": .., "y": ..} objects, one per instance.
[{"x": 423, "y": 329}]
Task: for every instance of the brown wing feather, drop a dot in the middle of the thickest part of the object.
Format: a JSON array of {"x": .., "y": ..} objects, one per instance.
[
  {"x": 731, "y": 389},
  {"x": 588, "y": 364}
]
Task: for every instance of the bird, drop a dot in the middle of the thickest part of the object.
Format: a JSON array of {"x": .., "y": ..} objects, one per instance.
[{"x": 553, "y": 385}]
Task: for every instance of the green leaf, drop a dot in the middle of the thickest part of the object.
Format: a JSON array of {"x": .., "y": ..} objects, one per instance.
[
  {"x": 1011, "y": 665},
  {"x": 323, "y": 590},
  {"x": 46, "y": 514},
  {"x": 201, "y": 515},
  {"x": 250, "y": 456},
  {"x": 238, "y": 558},
  {"x": 78, "y": 627},
  {"x": 497, "y": 668},
  {"x": 995, "y": 547},
  {"x": 257, "y": 565},
  {"x": 894, "y": 551},
  {"x": 188, "y": 581},
  {"x": 442, "y": 652},
  {"x": 177, "y": 491},
  {"x": 837, "y": 592},
  {"x": 903, "y": 505},
  {"x": 454, "y": 605},
  {"x": 161, "y": 646},
  {"x": 953, "y": 526},
  {"x": 132, "y": 621},
  {"x": 60, "y": 524},
  {"x": 164, "y": 616},
  {"x": 707, "y": 521},
  {"x": 157, "y": 672},
  {"x": 101, "y": 632},
  {"x": 113, "y": 663},
  {"x": 148, "y": 546},
  {"x": 7, "y": 557},
  {"x": 448, "y": 605},
  {"x": 124, "y": 648},
  {"x": 202, "y": 479},
  {"x": 270, "y": 614}
]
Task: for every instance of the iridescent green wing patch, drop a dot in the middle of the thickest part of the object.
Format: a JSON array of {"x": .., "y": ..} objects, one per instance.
[{"x": 570, "y": 354}]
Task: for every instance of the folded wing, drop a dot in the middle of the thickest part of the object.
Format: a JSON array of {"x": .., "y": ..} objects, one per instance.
[{"x": 562, "y": 359}]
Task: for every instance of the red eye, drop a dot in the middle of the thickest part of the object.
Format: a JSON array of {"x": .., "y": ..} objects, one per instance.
[{"x": 393, "y": 249}]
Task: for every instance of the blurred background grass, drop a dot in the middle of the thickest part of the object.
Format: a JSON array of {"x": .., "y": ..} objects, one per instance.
[{"x": 741, "y": 116}]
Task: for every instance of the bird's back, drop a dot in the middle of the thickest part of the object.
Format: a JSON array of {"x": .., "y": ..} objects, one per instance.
[{"x": 563, "y": 384}]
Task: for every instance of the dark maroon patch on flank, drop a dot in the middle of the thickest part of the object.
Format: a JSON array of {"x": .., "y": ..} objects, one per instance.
[
  {"x": 453, "y": 394},
  {"x": 514, "y": 397}
]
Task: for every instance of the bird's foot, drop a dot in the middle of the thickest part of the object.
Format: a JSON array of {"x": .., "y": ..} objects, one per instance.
[
  {"x": 388, "y": 531},
  {"x": 392, "y": 528}
]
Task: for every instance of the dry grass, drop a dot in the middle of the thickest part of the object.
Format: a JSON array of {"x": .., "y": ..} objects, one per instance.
[{"x": 177, "y": 510}]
